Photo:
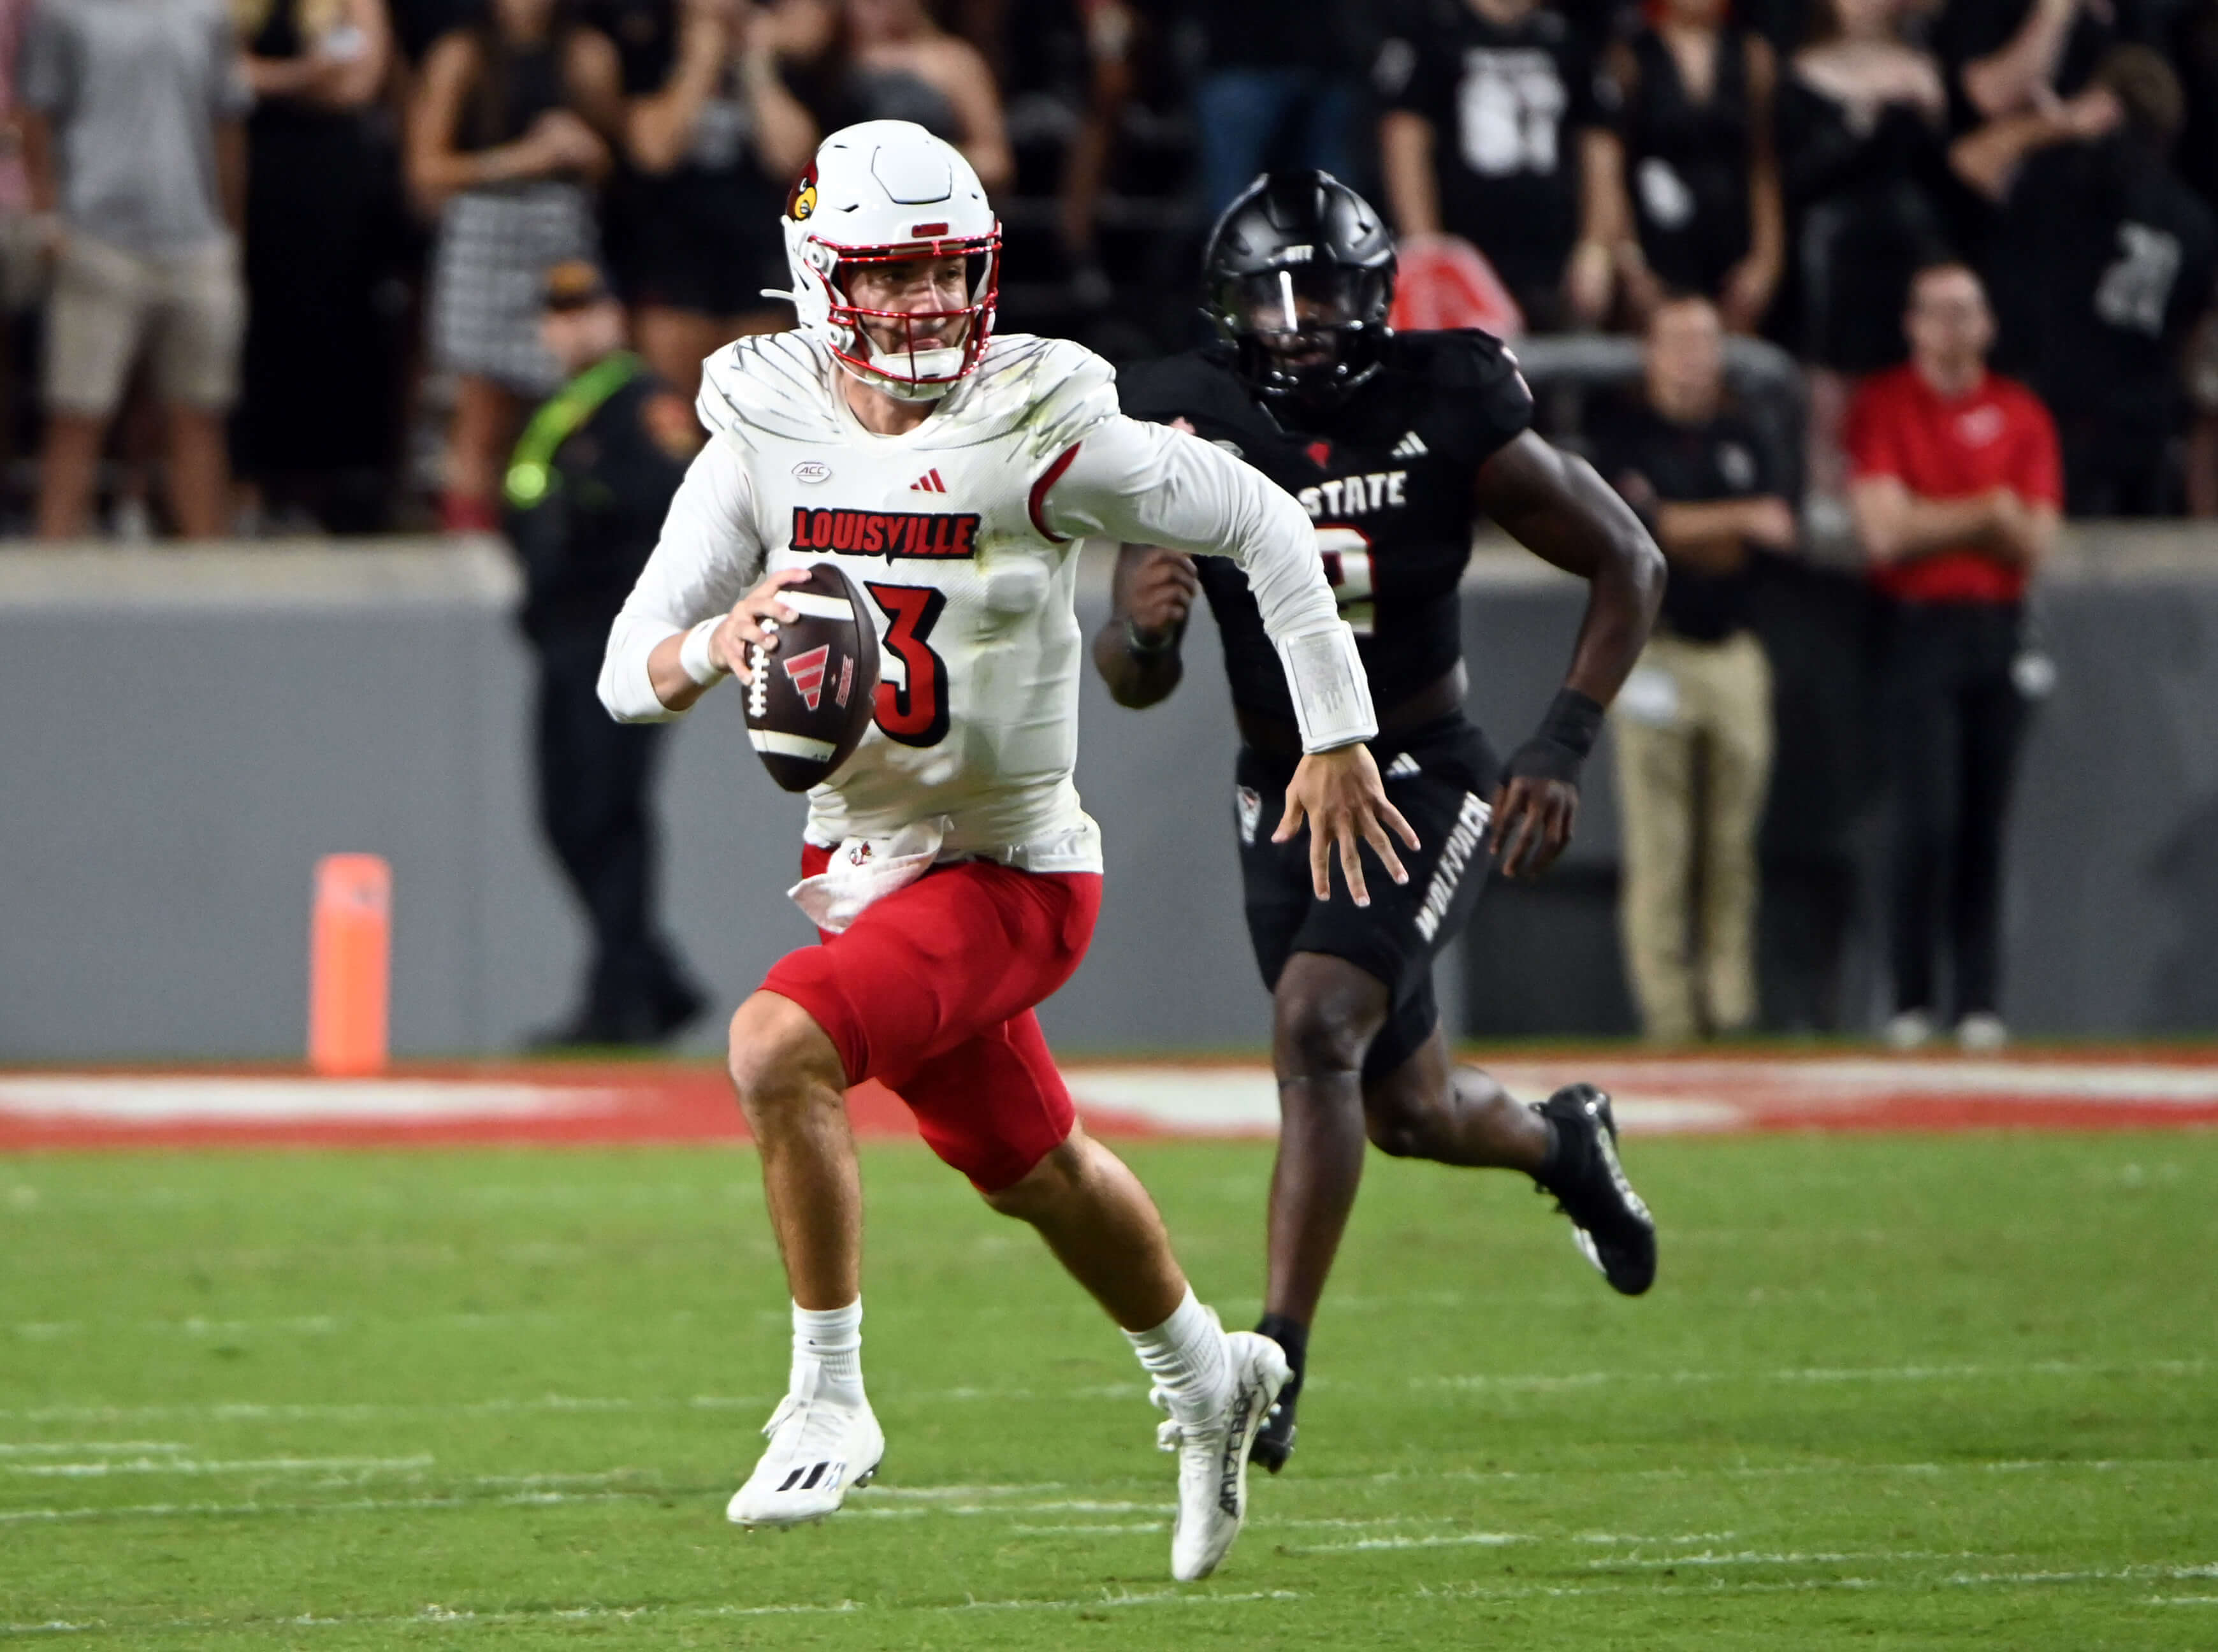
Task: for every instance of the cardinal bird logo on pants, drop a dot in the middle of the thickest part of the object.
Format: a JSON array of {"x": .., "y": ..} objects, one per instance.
[{"x": 807, "y": 672}]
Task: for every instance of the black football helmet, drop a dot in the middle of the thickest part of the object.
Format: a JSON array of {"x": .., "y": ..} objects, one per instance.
[{"x": 1300, "y": 274}]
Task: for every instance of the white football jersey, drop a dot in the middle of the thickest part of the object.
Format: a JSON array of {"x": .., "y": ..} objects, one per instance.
[{"x": 963, "y": 534}]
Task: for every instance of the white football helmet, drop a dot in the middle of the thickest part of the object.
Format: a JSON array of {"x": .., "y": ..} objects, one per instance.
[{"x": 879, "y": 192}]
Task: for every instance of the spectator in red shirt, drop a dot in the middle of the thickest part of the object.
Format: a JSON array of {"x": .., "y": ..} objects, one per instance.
[{"x": 1956, "y": 484}]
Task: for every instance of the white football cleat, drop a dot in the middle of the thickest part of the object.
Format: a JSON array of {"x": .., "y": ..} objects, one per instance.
[
  {"x": 1213, "y": 1456},
  {"x": 820, "y": 1449}
]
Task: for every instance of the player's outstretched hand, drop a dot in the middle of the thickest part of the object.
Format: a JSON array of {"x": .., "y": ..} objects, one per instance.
[
  {"x": 743, "y": 627},
  {"x": 1340, "y": 794},
  {"x": 1532, "y": 819}
]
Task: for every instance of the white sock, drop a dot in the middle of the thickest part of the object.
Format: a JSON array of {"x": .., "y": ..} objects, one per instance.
[
  {"x": 834, "y": 1340},
  {"x": 1186, "y": 1356}
]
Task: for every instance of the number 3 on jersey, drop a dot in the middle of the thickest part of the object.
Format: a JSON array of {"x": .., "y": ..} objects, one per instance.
[
  {"x": 1346, "y": 553},
  {"x": 915, "y": 710}
]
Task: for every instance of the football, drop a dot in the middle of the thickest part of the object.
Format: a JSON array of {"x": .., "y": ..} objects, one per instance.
[{"x": 812, "y": 700}]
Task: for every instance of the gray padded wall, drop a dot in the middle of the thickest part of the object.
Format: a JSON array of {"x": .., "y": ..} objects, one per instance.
[{"x": 184, "y": 734}]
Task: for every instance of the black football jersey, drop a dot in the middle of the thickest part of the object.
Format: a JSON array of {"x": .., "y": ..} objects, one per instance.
[{"x": 1387, "y": 479}]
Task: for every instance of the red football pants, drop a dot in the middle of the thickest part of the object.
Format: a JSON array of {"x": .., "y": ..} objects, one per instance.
[{"x": 931, "y": 992}]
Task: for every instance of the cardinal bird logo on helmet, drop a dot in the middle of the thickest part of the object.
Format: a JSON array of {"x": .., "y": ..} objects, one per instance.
[{"x": 802, "y": 202}]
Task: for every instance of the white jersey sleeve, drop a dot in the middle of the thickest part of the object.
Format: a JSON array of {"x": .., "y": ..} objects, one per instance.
[
  {"x": 1149, "y": 483},
  {"x": 709, "y": 555}
]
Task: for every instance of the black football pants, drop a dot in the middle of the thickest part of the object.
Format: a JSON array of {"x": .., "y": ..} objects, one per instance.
[
  {"x": 594, "y": 775},
  {"x": 1953, "y": 721}
]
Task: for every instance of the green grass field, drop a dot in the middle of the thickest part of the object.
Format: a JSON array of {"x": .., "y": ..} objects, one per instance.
[{"x": 1900, "y": 1392}]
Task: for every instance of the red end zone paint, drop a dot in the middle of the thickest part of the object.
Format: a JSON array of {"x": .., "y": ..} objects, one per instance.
[{"x": 557, "y": 1103}]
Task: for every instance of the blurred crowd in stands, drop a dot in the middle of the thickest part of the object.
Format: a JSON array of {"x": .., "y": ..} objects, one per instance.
[{"x": 284, "y": 258}]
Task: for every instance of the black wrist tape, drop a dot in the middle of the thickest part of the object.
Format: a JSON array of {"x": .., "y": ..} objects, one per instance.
[{"x": 1562, "y": 742}]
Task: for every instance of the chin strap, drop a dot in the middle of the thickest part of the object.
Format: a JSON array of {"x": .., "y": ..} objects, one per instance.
[{"x": 904, "y": 389}]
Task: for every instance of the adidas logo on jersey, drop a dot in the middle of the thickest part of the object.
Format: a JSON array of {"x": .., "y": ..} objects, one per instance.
[
  {"x": 1400, "y": 769},
  {"x": 1412, "y": 446},
  {"x": 928, "y": 483}
]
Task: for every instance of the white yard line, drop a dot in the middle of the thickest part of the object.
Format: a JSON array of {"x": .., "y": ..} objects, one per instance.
[
  {"x": 190, "y": 1465},
  {"x": 445, "y": 1615},
  {"x": 1448, "y": 1540},
  {"x": 160, "y": 1099},
  {"x": 1753, "y": 1559},
  {"x": 349, "y": 1506},
  {"x": 1545, "y": 1381},
  {"x": 257, "y": 1410}
]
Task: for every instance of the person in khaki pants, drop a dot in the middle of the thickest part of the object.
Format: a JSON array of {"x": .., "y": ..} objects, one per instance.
[
  {"x": 1694, "y": 721},
  {"x": 135, "y": 157}
]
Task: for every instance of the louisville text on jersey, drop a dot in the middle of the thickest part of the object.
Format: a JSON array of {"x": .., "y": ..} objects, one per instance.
[
  {"x": 1351, "y": 496},
  {"x": 934, "y": 533}
]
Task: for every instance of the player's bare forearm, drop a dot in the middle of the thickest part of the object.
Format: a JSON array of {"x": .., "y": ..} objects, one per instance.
[
  {"x": 1135, "y": 680},
  {"x": 1556, "y": 506},
  {"x": 1151, "y": 598},
  {"x": 673, "y": 685}
]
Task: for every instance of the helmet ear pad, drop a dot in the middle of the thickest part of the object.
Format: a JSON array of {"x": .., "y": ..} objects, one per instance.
[{"x": 1300, "y": 278}]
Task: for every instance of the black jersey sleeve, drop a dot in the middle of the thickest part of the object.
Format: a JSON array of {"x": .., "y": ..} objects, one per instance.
[
  {"x": 1480, "y": 401},
  {"x": 1193, "y": 386}
]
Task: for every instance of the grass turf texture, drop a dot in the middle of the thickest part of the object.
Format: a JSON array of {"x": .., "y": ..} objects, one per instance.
[{"x": 1888, "y": 1393}]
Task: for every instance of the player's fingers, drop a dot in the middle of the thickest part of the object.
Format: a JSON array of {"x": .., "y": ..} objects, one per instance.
[
  {"x": 732, "y": 647},
  {"x": 1290, "y": 817},
  {"x": 1351, "y": 864},
  {"x": 752, "y": 633},
  {"x": 1320, "y": 865},
  {"x": 1497, "y": 815},
  {"x": 1393, "y": 818},
  {"x": 1561, "y": 820},
  {"x": 1516, "y": 836},
  {"x": 1374, "y": 833}
]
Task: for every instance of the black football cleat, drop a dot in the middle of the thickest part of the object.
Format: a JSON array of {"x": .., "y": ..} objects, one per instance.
[
  {"x": 1613, "y": 1227},
  {"x": 1274, "y": 1440}
]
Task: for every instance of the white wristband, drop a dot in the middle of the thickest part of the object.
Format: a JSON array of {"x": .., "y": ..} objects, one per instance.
[
  {"x": 693, "y": 655},
  {"x": 1331, "y": 695}
]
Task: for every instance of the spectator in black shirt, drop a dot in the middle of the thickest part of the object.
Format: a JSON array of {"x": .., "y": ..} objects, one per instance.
[
  {"x": 1693, "y": 162},
  {"x": 1862, "y": 118},
  {"x": 1275, "y": 91},
  {"x": 2103, "y": 262},
  {"x": 322, "y": 207},
  {"x": 715, "y": 136},
  {"x": 1692, "y": 723},
  {"x": 1489, "y": 134}
]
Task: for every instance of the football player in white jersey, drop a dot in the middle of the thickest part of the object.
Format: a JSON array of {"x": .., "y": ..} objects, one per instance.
[{"x": 947, "y": 864}]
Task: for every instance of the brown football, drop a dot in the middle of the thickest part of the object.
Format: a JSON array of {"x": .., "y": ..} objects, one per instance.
[{"x": 812, "y": 700}]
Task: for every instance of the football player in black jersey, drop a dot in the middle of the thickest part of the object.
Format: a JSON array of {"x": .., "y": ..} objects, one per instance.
[{"x": 1395, "y": 443}]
